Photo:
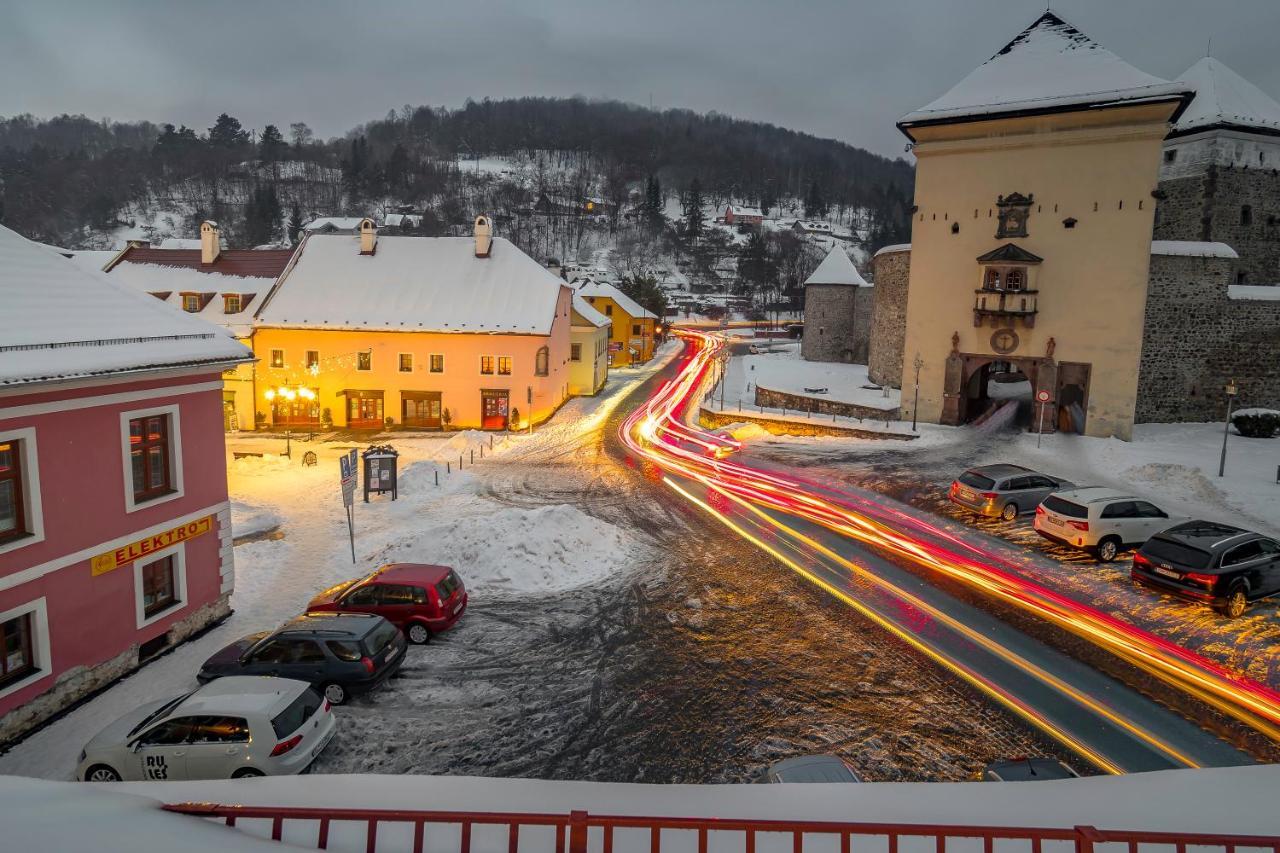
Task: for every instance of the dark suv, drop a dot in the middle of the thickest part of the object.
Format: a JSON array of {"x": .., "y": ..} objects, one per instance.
[
  {"x": 340, "y": 654},
  {"x": 1222, "y": 565}
]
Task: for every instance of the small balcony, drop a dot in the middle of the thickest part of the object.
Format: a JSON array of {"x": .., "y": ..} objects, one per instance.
[{"x": 1004, "y": 305}]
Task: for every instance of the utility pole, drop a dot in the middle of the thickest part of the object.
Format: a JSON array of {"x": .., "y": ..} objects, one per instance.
[
  {"x": 1231, "y": 392},
  {"x": 915, "y": 404}
]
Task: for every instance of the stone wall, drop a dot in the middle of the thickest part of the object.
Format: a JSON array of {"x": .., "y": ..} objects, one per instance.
[
  {"x": 772, "y": 399},
  {"x": 889, "y": 317},
  {"x": 709, "y": 419},
  {"x": 1208, "y": 206},
  {"x": 1196, "y": 338},
  {"x": 80, "y": 682},
  {"x": 837, "y": 320}
]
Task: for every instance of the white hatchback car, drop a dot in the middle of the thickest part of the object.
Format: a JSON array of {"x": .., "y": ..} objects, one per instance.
[
  {"x": 234, "y": 727},
  {"x": 1101, "y": 520}
]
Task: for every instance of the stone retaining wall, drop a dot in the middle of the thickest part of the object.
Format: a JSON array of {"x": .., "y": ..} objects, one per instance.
[
  {"x": 713, "y": 420},
  {"x": 772, "y": 399}
]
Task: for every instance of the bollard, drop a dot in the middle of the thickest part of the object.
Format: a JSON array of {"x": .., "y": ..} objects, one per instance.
[
  {"x": 482, "y": 451},
  {"x": 473, "y": 456},
  {"x": 437, "y": 476},
  {"x": 448, "y": 468},
  {"x": 491, "y": 441},
  {"x": 459, "y": 461}
]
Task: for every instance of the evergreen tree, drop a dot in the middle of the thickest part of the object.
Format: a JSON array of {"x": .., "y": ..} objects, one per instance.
[
  {"x": 815, "y": 207},
  {"x": 756, "y": 268},
  {"x": 694, "y": 218},
  {"x": 645, "y": 290},
  {"x": 653, "y": 212},
  {"x": 271, "y": 145},
  {"x": 295, "y": 224},
  {"x": 262, "y": 216},
  {"x": 227, "y": 133}
]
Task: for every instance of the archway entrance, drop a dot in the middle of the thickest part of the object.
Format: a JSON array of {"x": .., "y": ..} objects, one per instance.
[{"x": 988, "y": 382}]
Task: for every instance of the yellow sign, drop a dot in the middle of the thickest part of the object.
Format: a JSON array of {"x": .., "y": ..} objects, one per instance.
[{"x": 126, "y": 554}]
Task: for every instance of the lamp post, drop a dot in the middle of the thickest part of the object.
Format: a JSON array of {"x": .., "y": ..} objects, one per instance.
[
  {"x": 1231, "y": 392},
  {"x": 915, "y": 404}
]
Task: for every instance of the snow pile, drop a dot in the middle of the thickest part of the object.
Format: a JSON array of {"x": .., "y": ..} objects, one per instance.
[
  {"x": 514, "y": 550},
  {"x": 784, "y": 370},
  {"x": 250, "y": 520},
  {"x": 466, "y": 440}
]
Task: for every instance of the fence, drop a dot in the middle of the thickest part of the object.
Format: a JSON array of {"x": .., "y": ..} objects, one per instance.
[{"x": 574, "y": 829}]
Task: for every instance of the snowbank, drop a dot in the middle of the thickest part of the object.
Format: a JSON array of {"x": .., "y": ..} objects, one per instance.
[
  {"x": 251, "y": 520},
  {"x": 784, "y": 370}
]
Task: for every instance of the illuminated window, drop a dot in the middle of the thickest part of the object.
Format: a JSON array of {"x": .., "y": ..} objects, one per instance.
[
  {"x": 364, "y": 361},
  {"x": 486, "y": 364},
  {"x": 277, "y": 358},
  {"x": 312, "y": 359},
  {"x": 406, "y": 362},
  {"x": 149, "y": 457},
  {"x": 17, "y": 649},
  {"x": 231, "y": 303},
  {"x": 13, "y": 515},
  {"x": 575, "y": 352},
  {"x": 437, "y": 363},
  {"x": 191, "y": 302},
  {"x": 159, "y": 586},
  {"x": 504, "y": 365}
]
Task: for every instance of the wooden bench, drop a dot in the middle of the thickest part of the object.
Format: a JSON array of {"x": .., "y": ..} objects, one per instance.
[{"x": 237, "y": 454}]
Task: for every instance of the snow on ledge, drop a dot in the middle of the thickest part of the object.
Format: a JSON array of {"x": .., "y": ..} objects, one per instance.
[
  {"x": 1192, "y": 249},
  {"x": 889, "y": 250},
  {"x": 1254, "y": 292}
]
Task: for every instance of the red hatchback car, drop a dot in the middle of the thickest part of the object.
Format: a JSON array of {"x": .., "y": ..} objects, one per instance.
[{"x": 420, "y": 600}]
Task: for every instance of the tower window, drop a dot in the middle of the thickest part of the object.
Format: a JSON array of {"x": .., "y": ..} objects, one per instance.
[
  {"x": 1170, "y": 156},
  {"x": 1246, "y": 215}
]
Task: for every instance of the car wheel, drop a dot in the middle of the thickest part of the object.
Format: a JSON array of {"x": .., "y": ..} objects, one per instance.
[
  {"x": 247, "y": 773},
  {"x": 101, "y": 773},
  {"x": 1010, "y": 512},
  {"x": 1237, "y": 602},
  {"x": 1108, "y": 549},
  {"x": 335, "y": 693},
  {"x": 418, "y": 634}
]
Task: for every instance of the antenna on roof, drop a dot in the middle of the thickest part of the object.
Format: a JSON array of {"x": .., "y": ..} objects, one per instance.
[{"x": 1208, "y": 48}]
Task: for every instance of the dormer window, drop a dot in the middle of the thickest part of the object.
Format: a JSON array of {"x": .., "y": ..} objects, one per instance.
[
  {"x": 191, "y": 303},
  {"x": 231, "y": 303}
]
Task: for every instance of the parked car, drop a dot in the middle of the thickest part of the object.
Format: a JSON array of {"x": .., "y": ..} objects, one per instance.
[
  {"x": 1224, "y": 566},
  {"x": 1027, "y": 770},
  {"x": 233, "y": 728},
  {"x": 1004, "y": 490},
  {"x": 340, "y": 654},
  {"x": 419, "y": 599},
  {"x": 1101, "y": 520},
  {"x": 812, "y": 768}
]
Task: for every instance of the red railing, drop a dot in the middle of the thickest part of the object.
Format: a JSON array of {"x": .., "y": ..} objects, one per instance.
[{"x": 573, "y": 829}]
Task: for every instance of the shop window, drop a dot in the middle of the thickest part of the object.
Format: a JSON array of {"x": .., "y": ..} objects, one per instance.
[
  {"x": 231, "y": 303},
  {"x": 312, "y": 359},
  {"x": 277, "y": 358},
  {"x": 486, "y": 364},
  {"x": 541, "y": 365},
  {"x": 150, "y": 457},
  {"x": 437, "y": 363},
  {"x": 364, "y": 360},
  {"x": 406, "y": 362},
  {"x": 159, "y": 586},
  {"x": 504, "y": 365},
  {"x": 575, "y": 352},
  {"x": 635, "y": 328},
  {"x": 17, "y": 648}
]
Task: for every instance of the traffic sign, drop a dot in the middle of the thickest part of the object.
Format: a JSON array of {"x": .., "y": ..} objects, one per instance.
[{"x": 1042, "y": 396}]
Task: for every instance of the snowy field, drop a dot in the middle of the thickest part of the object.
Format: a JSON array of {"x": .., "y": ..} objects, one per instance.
[{"x": 782, "y": 369}]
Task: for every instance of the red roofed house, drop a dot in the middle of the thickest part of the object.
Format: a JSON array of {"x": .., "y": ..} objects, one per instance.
[
  {"x": 223, "y": 286},
  {"x": 737, "y": 214},
  {"x": 115, "y": 534}
]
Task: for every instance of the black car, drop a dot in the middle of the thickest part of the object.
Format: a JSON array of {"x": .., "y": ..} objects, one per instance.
[
  {"x": 340, "y": 654},
  {"x": 1225, "y": 566}
]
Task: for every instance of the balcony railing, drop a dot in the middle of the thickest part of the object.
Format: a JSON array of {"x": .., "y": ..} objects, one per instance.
[
  {"x": 989, "y": 302},
  {"x": 573, "y": 832}
]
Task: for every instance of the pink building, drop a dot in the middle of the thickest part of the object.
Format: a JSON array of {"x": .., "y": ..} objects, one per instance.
[
  {"x": 115, "y": 541},
  {"x": 738, "y": 214}
]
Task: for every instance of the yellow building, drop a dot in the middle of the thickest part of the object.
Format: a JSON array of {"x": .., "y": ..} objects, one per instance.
[
  {"x": 1031, "y": 234},
  {"x": 635, "y": 329},
  {"x": 588, "y": 348},
  {"x": 363, "y": 331}
]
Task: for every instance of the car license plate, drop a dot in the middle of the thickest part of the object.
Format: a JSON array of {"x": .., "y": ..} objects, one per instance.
[
  {"x": 1053, "y": 521},
  {"x": 458, "y": 609},
  {"x": 1169, "y": 573},
  {"x": 966, "y": 494}
]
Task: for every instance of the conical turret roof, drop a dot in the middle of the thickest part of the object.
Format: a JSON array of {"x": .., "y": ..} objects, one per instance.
[
  {"x": 836, "y": 268},
  {"x": 1225, "y": 99}
]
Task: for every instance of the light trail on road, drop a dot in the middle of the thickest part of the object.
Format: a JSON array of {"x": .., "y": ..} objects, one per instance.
[{"x": 748, "y": 499}]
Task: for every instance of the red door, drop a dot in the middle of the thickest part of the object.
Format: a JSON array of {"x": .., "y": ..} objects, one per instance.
[{"x": 494, "y": 409}]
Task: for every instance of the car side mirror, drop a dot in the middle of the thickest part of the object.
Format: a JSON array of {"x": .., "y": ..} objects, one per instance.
[{"x": 136, "y": 745}]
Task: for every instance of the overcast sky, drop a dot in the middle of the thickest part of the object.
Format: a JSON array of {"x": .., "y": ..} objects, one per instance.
[{"x": 836, "y": 69}]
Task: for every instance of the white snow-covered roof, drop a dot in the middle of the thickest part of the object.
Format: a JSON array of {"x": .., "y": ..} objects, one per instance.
[
  {"x": 1254, "y": 292},
  {"x": 1192, "y": 249},
  {"x": 743, "y": 210},
  {"x": 1049, "y": 66},
  {"x": 1223, "y": 97},
  {"x": 889, "y": 250},
  {"x": 836, "y": 268},
  {"x": 602, "y": 288},
  {"x": 421, "y": 284},
  {"x": 812, "y": 225},
  {"x": 172, "y": 282},
  {"x": 62, "y": 322},
  {"x": 336, "y": 223},
  {"x": 583, "y": 308}
]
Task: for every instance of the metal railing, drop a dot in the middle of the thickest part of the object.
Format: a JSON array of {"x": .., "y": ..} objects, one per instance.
[{"x": 572, "y": 829}]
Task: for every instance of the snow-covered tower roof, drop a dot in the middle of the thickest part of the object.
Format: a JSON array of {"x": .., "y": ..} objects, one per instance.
[
  {"x": 836, "y": 268},
  {"x": 1225, "y": 99},
  {"x": 1049, "y": 67}
]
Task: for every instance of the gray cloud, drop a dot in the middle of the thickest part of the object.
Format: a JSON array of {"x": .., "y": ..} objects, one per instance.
[{"x": 840, "y": 69}]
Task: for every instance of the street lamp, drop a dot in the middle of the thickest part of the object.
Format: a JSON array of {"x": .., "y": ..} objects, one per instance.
[
  {"x": 915, "y": 405},
  {"x": 1231, "y": 390}
]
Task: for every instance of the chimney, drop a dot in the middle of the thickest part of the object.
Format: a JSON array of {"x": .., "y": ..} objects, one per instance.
[
  {"x": 484, "y": 236},
  {"x": 210, "y": 242},
  {"x": 368, "y": 237}
]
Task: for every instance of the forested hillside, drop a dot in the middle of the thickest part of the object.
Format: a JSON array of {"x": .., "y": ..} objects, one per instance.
[{"x": 78, "y": 182}]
